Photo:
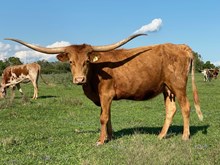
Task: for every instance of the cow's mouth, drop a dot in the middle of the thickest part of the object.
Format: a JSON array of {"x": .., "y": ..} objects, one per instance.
[{"x": 80, "y": 83}]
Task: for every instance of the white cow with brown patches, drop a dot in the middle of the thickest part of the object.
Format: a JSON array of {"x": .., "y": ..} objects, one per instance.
[{"x": 13, "y": 75}]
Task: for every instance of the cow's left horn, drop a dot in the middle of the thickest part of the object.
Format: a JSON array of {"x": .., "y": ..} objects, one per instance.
[
  {"x": 39, "y": 48},
  {"x": 13, "y": 82},
  {"x": 116, "y": 45}
]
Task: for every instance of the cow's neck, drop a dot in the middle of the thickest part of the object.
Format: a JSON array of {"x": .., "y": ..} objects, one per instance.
[{"x": 90, "y": 89}]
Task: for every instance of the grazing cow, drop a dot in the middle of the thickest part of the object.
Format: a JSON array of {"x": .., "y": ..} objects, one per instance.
[
  {"x": 209, "y": 74},
  {"x": 107, "y": 74},
  {"x": 206, "y": 74},
  {"x": 14, "y": 75}
]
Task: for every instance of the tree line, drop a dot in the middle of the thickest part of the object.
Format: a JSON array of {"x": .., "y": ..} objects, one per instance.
[
  {"x": 60, "y": 67},
  {"x": 200, "y": 64}
]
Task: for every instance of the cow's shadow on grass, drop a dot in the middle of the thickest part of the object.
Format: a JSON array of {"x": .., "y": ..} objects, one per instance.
[
  {"x": 30, "y": 97},
  {"x": 48, "y": 96},
  {"x": 173, "y": 131}
]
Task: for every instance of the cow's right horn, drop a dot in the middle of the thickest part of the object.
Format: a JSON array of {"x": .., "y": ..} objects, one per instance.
[{"x": 55, "y": 50}]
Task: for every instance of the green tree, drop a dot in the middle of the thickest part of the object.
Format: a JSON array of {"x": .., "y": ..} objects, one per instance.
[
  {"x": 2, "y": 66},
  {"x": 13, "y": 61},
  {"x": 208, "y": 65},
  {"x": 62, "y": 66},
  {"x": 53, "y": 67},
  {"x": 198, "y": 62}
]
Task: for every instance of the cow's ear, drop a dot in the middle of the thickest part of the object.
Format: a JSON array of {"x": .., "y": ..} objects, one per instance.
[
  {"x": 94, "y": 57},
  {"x": 63, "y": 57}
]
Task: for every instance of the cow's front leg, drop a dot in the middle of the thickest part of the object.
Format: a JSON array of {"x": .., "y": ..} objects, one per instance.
[
  {"x": 105, "y": 120},
  {"x": 12, "y": 92},
  {"x": 19, "y": 89},
  {"x": 109, "y": 128}
]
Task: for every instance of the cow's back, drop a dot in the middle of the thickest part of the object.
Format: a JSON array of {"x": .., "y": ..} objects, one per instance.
[{"x": 33, "y": 67}]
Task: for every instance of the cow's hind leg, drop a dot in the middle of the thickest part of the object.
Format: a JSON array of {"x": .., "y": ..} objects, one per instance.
[
  {"x": 169, "y": 100},
  {"x": 35, "y": 96},
  {"x": 185, "y": 109}
]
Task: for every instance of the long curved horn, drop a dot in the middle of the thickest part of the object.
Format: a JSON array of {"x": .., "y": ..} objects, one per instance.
[
  {"x": 13, "y": 82},
  {"x": 55, "y": 50},
  {"x": 116, "y": 45}
]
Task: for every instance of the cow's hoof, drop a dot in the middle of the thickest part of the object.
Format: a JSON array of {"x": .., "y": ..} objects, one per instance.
[
  {"x": 98, "y": 143},
  {"x": 160, "y": 137},
  {"x": 185, "y": 137}
]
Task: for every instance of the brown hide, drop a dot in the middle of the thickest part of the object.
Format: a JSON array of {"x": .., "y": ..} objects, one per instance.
[
  {"x": 20, "y": 70},
  {"x": 6, "y": 75}
]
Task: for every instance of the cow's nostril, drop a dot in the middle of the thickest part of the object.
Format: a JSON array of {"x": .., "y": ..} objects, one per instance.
[{"x": 79, "y": 80}]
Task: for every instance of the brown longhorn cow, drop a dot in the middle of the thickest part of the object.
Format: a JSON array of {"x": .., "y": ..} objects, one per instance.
[
  {"x": 107, "y": 74},
  {"x": 14, "y": 75}
]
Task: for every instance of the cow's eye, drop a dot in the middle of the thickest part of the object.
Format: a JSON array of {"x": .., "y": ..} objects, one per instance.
[{"x": 72, "y": 63}]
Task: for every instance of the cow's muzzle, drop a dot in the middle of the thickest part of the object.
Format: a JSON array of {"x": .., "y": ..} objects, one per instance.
[
  {"x": 79, "y": 80},
  {"x": 2, "y": 92}
]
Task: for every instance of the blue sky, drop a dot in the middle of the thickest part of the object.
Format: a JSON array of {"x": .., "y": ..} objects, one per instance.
[{"x": 100, "y": 22}]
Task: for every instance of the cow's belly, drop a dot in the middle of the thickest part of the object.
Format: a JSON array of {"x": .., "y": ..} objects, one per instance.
[
  {"x": 138, "y": 91},
  {"x": 138, "y": 81}
]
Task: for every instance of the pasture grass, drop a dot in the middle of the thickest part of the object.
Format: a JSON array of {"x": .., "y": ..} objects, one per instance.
[{"x": 62, "y": 127}]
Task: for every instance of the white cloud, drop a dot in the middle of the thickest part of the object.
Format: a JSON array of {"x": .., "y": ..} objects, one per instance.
[
  {"x": 20, "y": 48},
  {"x": 155, "y": 25},
  {"x": 27, "y": 55},
  {"x": 4, "y": 47},
  {"x": 59, "y": 44},
  {"x": 4, "y": 50}
]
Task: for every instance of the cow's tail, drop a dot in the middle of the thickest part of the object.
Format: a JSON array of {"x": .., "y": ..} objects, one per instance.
[
  {"x": 44, "y": 79},
  {"x": 195, "y": 92},
  {"x": 42, "y": 76}
]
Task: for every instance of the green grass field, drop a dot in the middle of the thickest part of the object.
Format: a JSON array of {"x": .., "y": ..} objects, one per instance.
[{"x": 62, "y": 127}]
